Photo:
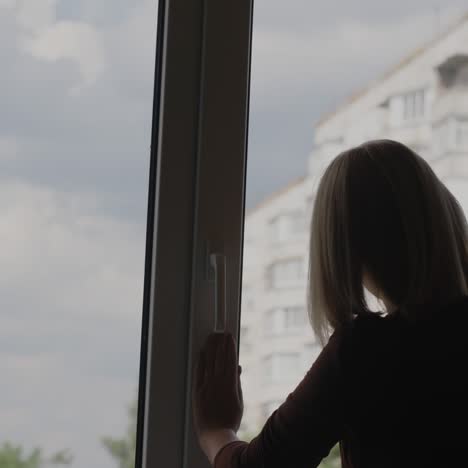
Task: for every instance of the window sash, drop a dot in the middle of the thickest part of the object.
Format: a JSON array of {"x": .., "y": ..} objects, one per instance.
[
  {"x": 414, "y": 104},
  {"x": 196, "y": 207}
]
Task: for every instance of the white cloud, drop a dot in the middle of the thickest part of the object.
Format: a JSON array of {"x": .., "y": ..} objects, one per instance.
[
  {"x": 71, "y": 290},
  {"x": 131, "y": 46},
  {"x": 46, "y": 38},
  {"x": 70, "y": 40},
  {"x": 9, "y": 148},
  {"x": 7, "y": 3},
  {"x": 35, "y": 15},
  {"x": 56, "y": 246}
]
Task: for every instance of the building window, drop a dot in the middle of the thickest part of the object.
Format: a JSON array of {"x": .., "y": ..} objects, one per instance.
[
  {"x": 286, "y": 273},
  {"x": 461, "y": 135},
  {"x": 294, "y": 318},
  {"x": 298, "y": 223},
  {"x": 442, "y": 136},
  {"x": 284, "y": 320},
  {"x": 279, "y": 228},
  {"x": 286, "y": 226},
  {"x": 414, "y": 105},
  {"x": 281, "y": 367},
  {"x": 451, "y": 135}
]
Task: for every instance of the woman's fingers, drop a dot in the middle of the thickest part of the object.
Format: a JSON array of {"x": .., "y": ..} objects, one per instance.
[
  {"x": 215, "y": 354},
  {"x": 218, "y": 402},
  {"x": 220, "y": 357}
]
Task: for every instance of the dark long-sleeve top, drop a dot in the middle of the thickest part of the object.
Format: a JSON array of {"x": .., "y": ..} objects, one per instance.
[{"x": 393, "y": 392}]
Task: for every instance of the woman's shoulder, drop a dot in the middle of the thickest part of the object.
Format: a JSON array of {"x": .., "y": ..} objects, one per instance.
[
  {"x": 368, "y": 337},
  {"x": 367, "y": 325},
  {"x": 374, "y": 335}
]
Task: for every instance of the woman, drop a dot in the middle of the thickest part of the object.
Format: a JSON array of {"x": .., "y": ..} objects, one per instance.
[{"x": 390, "y": 387}]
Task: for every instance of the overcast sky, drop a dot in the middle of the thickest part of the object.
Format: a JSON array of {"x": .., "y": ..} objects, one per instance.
[{"x": 75, "y": 117}]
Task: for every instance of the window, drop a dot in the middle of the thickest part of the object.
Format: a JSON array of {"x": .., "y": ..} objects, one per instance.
[
  {"x": 461, "y": 138},
  {"x": 285, "y": 320},
  {"x": 286, "y": 273},
  {"x": 74, "y": 179},
  {"x": 74, "y": 163},
  {"x": 196, "y": 209},
  {"x": 303, "y": 114},
  {"x": 294, "y": 318},
  {"x": 281, "y": 367},
  {"x": 272, "y": 321},
  {"x": 414, "y": 105},
  {"x": 298, "y": 223},
  {"x": 287, "y": 226},
  {"x": 450, "y": 135}
]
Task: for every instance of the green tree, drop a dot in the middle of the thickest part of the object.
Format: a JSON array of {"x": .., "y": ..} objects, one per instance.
[
  {"x": 122, "y": 450},
  {"x": 14, "y": 456}
]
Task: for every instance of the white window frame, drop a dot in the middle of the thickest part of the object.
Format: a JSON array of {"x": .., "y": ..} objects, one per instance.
[
  {"x": 447, "y": 133},
  {"x": 414, "y": 105},
  {"x": 287, "y": 226},
  {"x": 299, "y": 318},
  {"x": 276, "y": 320},
  {"x": 273, "y": 371},
  {"x": 284, "y": 283},
  {"x": 196, "y": 207}
]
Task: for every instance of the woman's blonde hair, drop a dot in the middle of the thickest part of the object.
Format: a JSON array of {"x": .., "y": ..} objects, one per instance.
[{"x": 380, "y": 209}]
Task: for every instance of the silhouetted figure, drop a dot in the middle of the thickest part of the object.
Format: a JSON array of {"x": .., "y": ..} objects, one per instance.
[{"x": 390, "y": 386}]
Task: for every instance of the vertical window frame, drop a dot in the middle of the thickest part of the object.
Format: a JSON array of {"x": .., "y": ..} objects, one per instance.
[{"x": 195, "y": 207}]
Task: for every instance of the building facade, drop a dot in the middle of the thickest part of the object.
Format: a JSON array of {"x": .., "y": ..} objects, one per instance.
[{"x": 422, "y": 102}]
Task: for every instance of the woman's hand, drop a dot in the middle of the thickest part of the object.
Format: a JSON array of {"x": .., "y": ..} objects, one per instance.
[{"x": 217, "y": 395}]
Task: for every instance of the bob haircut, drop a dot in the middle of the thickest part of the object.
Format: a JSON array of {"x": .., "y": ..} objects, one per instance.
[{"x": 381, "y": 210}]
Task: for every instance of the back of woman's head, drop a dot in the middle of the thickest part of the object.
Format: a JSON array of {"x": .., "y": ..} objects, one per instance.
[{"x": 381, "y": 210}]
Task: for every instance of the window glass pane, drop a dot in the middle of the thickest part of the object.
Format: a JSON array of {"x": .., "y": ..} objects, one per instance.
[
  {"x": 327, "y": 76},
  {"x": 281, "y": 368},
  {"x": 77, "y": 86}
]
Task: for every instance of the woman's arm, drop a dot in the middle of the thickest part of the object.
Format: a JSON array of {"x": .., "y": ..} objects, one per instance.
[{"x": 303, "y": 429}]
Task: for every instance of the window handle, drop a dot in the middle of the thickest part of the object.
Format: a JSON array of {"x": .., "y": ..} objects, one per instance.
[{"x": 218, "y": 262}]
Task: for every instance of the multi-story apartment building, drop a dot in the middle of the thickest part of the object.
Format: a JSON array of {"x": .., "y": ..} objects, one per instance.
[{"x": 422, "y": 102}]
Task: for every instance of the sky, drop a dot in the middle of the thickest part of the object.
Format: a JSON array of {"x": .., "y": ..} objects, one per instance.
[{"x": 75, "y": 118}]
